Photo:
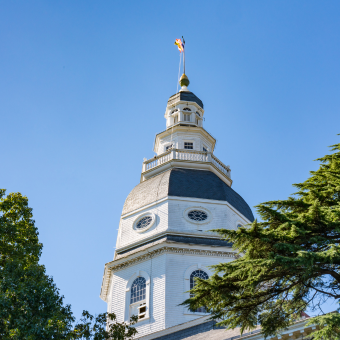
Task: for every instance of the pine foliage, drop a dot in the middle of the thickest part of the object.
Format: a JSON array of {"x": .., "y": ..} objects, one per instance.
[{"x": 288, "y": 262}]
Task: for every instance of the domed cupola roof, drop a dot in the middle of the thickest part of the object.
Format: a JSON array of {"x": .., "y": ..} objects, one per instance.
[
  {"x": 181, "y": 182},
  {"x": 185, "y": 96}
]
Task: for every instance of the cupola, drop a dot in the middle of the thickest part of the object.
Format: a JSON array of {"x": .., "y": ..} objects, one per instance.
[{"x": 184, "y": 107}]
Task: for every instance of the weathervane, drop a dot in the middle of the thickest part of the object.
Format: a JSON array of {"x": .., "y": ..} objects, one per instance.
[{"x": 184, "y": 81}]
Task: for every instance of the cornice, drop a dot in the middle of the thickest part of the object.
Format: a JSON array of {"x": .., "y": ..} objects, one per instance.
[
  {"x": 181, "y": 128},
  {"x": 156, "y": 250},
  {"x": 185, "y": 102},
  {"x": 165, "y": 233},
  {"x": 186, "y": 164}
]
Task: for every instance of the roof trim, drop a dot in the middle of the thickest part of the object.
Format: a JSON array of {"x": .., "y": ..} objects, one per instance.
[{"x": 184, "y": 128}]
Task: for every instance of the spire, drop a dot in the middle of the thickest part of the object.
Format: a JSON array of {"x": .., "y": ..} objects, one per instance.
[{"x": 184, "y": 82}]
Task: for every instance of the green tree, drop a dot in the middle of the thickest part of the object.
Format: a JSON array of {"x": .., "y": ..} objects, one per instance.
[
  {"x": 288, "y": 262},
  {"x": 94, "y": 328},
  {"x": 30, "y": 304}
]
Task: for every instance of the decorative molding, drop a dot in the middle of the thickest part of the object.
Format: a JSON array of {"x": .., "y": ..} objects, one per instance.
[
  {"x": 146, "y": 240},
  {"x": 173, "y": 250},
  {"x": 111, "y": 267}
]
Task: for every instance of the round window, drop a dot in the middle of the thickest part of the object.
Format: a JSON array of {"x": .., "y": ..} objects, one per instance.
[
  {"x": 197, "y": 215},
  {"x": 144, "y": 222}
]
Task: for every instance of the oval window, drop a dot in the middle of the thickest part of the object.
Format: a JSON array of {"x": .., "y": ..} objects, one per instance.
[
  {"x": 143, "y": 222},
  {"x": 198, "y": 215}
]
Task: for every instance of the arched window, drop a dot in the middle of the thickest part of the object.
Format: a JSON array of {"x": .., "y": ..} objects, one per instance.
[
  {"x": 186, "y": 109},
  {"x": 137, "y": 301},
  {"x": 202, "y": 275},
  {"x": 138, "y": 290},
  {"x": 138, "y": 298}
]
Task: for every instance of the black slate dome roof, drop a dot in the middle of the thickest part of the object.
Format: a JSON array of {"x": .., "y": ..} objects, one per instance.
[
  {"x": 185, "y": 183},
  {"x": 185, "y": 96}
]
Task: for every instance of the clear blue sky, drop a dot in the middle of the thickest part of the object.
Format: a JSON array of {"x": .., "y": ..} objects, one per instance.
[{"x": 84, "y": 86}]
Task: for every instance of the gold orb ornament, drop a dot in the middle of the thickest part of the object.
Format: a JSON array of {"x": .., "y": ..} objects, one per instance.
[{"x": 184, "y": 80}]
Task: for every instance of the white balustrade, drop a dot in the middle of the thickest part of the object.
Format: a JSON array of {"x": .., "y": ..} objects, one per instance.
[
  {"x": 158, "y": 160},
  {"x": 185, "y": 155},
  {"x": 219, "y": 165},
  {"x": 196, "y": 156}
]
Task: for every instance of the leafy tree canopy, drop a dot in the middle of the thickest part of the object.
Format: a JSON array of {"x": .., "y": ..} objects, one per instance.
[
  {"x": 31, "y": 307},
  {"x": 288, "y": 262},
  {"x": 30, "y": 304},
  {"x": 95, "y": 328}
]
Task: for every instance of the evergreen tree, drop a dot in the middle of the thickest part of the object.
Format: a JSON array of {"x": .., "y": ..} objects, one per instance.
[{"x": 288, "y": 262}]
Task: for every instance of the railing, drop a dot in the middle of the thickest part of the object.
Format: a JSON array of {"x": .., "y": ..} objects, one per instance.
[
  {"x": 185, "y": 155},
  {"x": 219, "y": 165},
  {"x": 157, "y": 160}
]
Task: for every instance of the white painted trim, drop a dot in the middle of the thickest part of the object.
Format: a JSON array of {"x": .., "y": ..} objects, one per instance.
[
  {"x": 158, "y": 250},
  {"x": 186, "y": 164},
  {"x": 184, "y": 103},
  {"x": 164, "y": 233},
  {"x": 173, "y": 129}
]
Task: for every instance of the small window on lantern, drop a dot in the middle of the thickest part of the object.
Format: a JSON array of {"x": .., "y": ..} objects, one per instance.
[{"x": 186, "y": 117}]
